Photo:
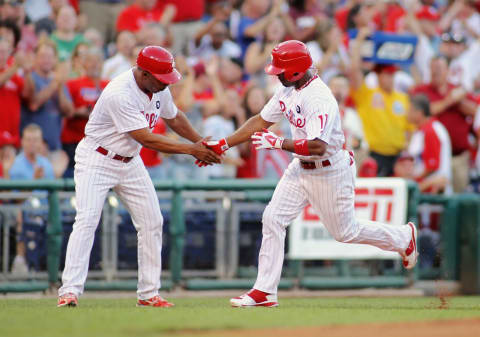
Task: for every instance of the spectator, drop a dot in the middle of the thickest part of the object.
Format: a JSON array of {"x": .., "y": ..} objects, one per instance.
[
  {"x": 253, "y": 20},
  {"x": 7, "y": 153},
  {"x": 381, "y": 109},
  {"x": 462, "y": 19},
  {"x": 28, "y": 165},
  {"x": 13, "y": 10},
  {"x": 78, "y": 59},
  {"x": 50, "y": 99},
  {"x": 141, "y": 12},
  {"x": 463, "y": 60},
  {"x": 259, "y": 52},
  {"x": 328, "y": 51},
  {"x": 253, "y": 102},
  {"x": 153, "y": 34},
  {"x": 94, "y": 38},
  {"x": 361, "y": 16},
  {"x": 65, "y": 36},
  {"x": 120, "y": 62},
  {"x": 10, "y": 32},
  {"x": 230, "y": 72},
  {"x": 306, "y": 14},
  {"x": 186, "y": 20},
  {"x": 212, "y": 39},
  {"x": 47, "y": 25},
  {"x": 431, "y": 149},
  {"x": 351, "y": 123},
  {"x": 84, "y": 91},
  {"x": 102, "y": 15},
  {"x": 451, "y": 105},
  {"x": 423, "y": 22},
  {"x": 12, "y": 89}
]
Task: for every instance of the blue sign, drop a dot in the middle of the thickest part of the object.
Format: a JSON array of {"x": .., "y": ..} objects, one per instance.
[{"x": 387, "y": 48}]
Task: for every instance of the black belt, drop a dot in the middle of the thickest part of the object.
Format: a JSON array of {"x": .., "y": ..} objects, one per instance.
[{"x": 116, "y": 156}]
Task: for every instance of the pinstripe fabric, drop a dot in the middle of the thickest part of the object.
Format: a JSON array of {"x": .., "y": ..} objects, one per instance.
[
  {"x": 95, "y": 174},
  {"x": 138, "y": 194},
  {"x": 330, "y": 191}
]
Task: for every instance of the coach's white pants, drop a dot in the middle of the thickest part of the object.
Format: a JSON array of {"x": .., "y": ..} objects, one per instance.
[
  {"x": 95, "y": 175},
  {"x": 330, "y": 191}
]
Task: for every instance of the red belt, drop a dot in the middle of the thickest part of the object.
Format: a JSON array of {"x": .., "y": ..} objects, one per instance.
[
  {"x": 116, "y": 156},
  {"x": 311, "y": 165}
]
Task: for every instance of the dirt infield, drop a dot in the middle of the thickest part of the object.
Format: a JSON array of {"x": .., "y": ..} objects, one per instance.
[{"x": 447, "y": 328}]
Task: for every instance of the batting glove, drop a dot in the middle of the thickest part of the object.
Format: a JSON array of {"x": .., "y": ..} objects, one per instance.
[
  {"x": 267, "y": 140},
  {"x": 217, "y": 146}
]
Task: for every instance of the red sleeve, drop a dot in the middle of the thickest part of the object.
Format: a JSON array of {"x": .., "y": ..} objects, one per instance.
[
  {"x": 127, "y": 20},
  {"x": 19, "y": 81},
  {"x": 431, "y": 152},
  {"x": 72, "y": 89},
  {"x": 341, "y": 16}
]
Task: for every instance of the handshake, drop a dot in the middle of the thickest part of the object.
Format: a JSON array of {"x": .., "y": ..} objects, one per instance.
[{"x": 262, "y": 140}]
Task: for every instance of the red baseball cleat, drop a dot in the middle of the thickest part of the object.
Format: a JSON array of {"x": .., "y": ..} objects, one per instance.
[
  {"x": 410, "y": 256},
  {"x": 255, "y": 298},
  {"x": 155, "y": 301},
  {"x": 67, "y": 300}
]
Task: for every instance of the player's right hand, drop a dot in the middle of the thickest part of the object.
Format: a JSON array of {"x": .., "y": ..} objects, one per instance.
[
  {"x": 203, "y": 153},
  {"x": 218, "y": 146}
]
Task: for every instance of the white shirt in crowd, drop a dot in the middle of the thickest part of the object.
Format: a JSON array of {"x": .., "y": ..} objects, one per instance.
[
  {"x": 115, "y": 65},
  {"x": 220, "y": 127},
  {"x": 466, "y": 68},
  {"x": 123, "y": 107},
  {"x": 205, "y": 50},
  {"x": 430, "y": 146}
]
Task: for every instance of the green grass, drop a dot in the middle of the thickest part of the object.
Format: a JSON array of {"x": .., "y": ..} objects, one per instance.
[{"x": 109, "y": 317}]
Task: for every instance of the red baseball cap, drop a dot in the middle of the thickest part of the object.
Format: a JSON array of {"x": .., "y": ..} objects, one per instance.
[{"x": 427, "y": 13}]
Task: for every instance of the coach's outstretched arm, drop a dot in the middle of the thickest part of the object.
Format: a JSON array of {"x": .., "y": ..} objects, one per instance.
[{"x": 166, "y": 145}]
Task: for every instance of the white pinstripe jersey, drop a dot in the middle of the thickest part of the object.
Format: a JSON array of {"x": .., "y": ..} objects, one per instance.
[
  {"x": 312, "y": 112},
  {"x": 123, "y": 107}
]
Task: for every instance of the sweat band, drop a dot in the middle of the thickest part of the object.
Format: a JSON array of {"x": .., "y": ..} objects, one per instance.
[{"x": 301, "y": 147}]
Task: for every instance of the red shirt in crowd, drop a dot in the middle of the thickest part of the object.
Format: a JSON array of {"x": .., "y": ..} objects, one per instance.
[
  {"x": 10, "y": 98},
  {"x": 133, "y": 18},
  {"x": 84, "y": 92},
  {"x": 187, "y": 10},
  {"x": 249, "y": 167},
  {"x": 151, "y": 157},
  {"x": 456, "y": 123}
]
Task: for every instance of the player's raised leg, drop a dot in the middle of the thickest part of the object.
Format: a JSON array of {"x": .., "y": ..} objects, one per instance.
[
  {"x": 92, "y": 182},
  {"x": 331, "y": 193},
  {"x": 287, "y": 202},
  {"x": 140, "y": 198}
]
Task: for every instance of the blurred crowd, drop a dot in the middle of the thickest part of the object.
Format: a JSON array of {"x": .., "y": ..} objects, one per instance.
[{"x": 417, "y": 121}]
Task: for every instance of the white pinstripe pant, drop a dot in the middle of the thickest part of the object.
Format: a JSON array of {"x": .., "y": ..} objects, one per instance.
[
  {"x": 330, "y": 191},
  {"x": 95, "y": 175}
]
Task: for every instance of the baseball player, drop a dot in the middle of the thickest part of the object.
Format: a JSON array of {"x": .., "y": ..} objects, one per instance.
[
  {"x": 107, "y": 157},
  {"x": 321, "y": 174}
]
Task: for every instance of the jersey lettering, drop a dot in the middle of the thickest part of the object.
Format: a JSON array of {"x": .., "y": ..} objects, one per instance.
[{"x": 321, "y": 121}]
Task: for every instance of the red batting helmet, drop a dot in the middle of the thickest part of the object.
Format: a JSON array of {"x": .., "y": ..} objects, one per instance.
[
  {"x": 291, "y": 58},
  {"x": 158, "y": 62}
]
